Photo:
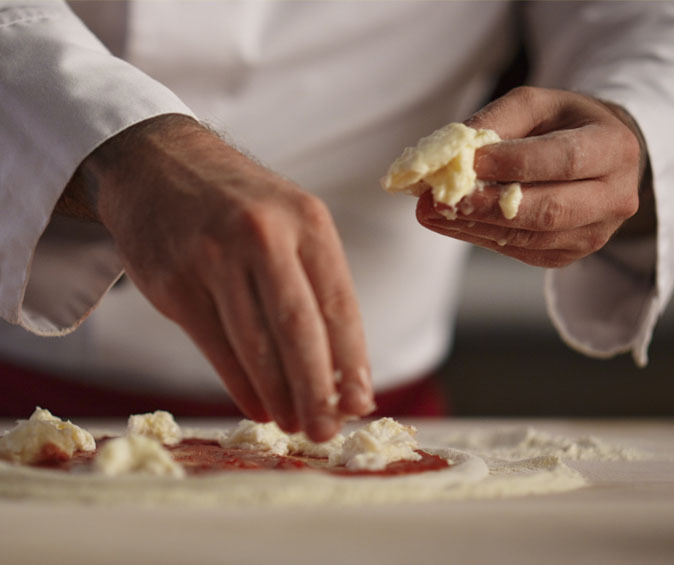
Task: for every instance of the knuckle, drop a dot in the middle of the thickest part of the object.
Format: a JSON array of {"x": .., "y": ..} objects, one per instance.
[
  {"x": 572, "y": 162},
  {"x": 294, "y": 320},
  {"x": 260, "y": 348},
  {"x": 314, "y": 212},
  {"x": 551, "y": 213},
  {"x": 520, "y": 238},
  {"x": 594, "y": 241},
  {"x": 631, "y": 146},
  {"x": 526, "y": 95},
  {"x": 257, "y": 224},
  {"x": 629, "y": 206},
  {"x": 338, "y": 306}
]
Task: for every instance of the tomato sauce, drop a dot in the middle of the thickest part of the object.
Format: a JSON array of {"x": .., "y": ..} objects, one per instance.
[{"x": 201, "y": 456}]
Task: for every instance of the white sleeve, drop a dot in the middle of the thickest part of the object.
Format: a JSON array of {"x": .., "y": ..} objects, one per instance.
[
  {"x": 61, "y": 95},
  {"x": 623, "y": 52}
]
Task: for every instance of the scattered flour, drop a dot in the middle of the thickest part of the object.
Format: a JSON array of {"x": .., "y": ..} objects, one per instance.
[{"x": 526, "y": 443}]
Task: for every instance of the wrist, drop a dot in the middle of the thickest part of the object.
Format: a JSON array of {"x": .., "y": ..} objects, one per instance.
[
  {"x": 644, "y": 222},
  {"x": 113, "y": 164}
]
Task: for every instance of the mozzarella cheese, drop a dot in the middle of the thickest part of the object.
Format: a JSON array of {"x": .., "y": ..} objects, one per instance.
[
  {"x": 252, "y": 435},
  {"x": 509, "y": 200},
  {"x": 300, "y": 444},
  {"x": 371, "y": 447},
  {"x": 444, "y": 160},
  {"x": 27, "y": 441},
  {"x": 159, "y": 425},
  {"x": 136, "y": 454},
  {"x": 377, "y": 444}
]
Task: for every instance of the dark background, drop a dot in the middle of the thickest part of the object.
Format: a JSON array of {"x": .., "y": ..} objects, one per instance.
[{"x": 509, "y": 360}]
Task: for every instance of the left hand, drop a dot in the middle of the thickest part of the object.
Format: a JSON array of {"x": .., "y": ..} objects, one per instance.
[{"x": 580, "y": 163}]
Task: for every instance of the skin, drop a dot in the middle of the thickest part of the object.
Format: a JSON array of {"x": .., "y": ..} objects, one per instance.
[
  {"x": 249, "y": 265},
  {"x": 580, "y": 162},
  {"x": 252, "y": 267}
]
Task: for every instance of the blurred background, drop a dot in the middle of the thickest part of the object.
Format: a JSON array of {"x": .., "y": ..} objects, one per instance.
[{"x": 509, "y": 360}]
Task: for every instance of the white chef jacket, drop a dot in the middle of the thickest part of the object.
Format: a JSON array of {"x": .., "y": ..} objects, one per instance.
[{"x": 326, "y": 93}]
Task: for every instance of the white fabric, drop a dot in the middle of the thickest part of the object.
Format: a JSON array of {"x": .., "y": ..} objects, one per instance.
[
  {"x": 622, "y": 52},
  {"x": 327, "y": 93}
]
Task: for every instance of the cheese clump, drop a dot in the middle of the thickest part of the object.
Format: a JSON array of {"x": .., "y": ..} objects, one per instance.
[
  {"x": 28, "y": 441},
  {"x": 371, "y": 447},
  {"x": 252, "y": 435},
  {"x": 444, "y": 160},
  {"x": 300, "y": 444},
  {"x": 269, "y": 437},
  {"x": 377, "y": 444},
  {"x": 509, "y": 200},
  {"x": 136, "y": 454},
  {"x": 159, "y": 425}
]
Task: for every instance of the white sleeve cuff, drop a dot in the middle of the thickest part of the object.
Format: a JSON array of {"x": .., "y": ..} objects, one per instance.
[
  {"x": 63, "y": 94},
  {"x": 607, "y": 303}
]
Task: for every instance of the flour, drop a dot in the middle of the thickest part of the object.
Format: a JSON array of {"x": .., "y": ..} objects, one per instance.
[{"x": 526, "y": 443}]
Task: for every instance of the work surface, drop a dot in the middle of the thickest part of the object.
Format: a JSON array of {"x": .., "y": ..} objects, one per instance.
[{"x": 625, "y": 516}]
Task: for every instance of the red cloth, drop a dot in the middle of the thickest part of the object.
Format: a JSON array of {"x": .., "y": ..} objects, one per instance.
[{"x": 22, "y": 389}]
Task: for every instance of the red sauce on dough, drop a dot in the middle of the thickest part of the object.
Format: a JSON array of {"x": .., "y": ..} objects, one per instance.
[{"x": 199, "y": 456}]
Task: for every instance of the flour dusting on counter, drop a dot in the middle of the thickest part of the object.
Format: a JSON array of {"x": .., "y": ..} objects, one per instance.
[{"x": 527, "y": 442}]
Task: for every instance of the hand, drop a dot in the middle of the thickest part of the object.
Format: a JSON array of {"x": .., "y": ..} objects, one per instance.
[
  {"x": 580, "y": 163},
  {"x": 248, "y": 264}
]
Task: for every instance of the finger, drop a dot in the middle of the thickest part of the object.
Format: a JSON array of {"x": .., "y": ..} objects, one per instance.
[
  {"x": 252, "y": 342},
  {"x": 525, "y": 111},
  {"x": 583, "y": 240},
  {"x": 544, "y": 207},
  {"x": 547, "y": 258},
  {"x": 586, "y": 152},
  {"x": 300, "y": 334},
  {"x": 204, "y": 326},
  {"x": 328, "y": 273}
]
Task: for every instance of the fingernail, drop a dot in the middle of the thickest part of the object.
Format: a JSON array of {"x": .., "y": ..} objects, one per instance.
[{"x": 482, "y": 163}]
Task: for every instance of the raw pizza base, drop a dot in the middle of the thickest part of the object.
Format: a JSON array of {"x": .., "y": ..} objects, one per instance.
[{"x": 234, "y": 488}]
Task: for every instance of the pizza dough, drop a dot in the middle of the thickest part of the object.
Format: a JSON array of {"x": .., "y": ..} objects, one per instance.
[
  {"x": 444, "y": 161},
  {"x": 470, "y": 476}
]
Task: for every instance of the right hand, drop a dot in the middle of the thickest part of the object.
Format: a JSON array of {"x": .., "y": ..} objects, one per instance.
[{"x": 248, "y": 264}]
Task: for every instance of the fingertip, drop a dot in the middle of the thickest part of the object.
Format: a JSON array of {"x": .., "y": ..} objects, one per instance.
[
  {"x": 356, "y": 393},
  {"x": 425, "y": 210},
  {"x": 356, "y": 401},
  {"x": 288, "y": 424},
  {"x": 257, "y": 414},
  {"x": 485, "y": 164},
  {"x": 322, "y": 427}
]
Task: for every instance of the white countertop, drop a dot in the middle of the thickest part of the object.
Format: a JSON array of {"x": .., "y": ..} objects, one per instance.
[{"x": 625, "y": 516}]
